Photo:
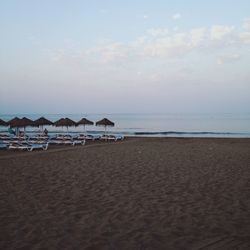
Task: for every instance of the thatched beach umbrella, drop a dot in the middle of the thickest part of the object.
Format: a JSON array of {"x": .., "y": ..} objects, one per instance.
[
  {"x": 21, "y": 123},
  {"x": 106, "y": 123},
  {"x": 42, "y": 122},
  {"x": 85, "y": 122},
  {"x": 3, "y": 123},
  {"x": 12, "y": 121},
  {"x": 65, "y": 122}
]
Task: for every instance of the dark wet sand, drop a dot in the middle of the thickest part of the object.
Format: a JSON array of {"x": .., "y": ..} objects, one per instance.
[{"x": 142, "y": 193}]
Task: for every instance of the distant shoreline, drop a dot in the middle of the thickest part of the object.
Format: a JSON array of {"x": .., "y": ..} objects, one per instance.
[
  {"x": 195, "y": 134},
  {"x": 155, "y": 125}
]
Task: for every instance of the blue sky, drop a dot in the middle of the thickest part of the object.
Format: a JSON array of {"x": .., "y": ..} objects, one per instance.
[{"x": 124, "y": 56}]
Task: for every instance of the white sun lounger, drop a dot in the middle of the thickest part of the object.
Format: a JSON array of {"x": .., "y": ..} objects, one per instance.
[
  {"x": 39, "y": 146},
  {"x": 63, "y": 137},
  {"x": 67, "y": 142},
  {"x": 27, "y": 146},
  {"x": 88, "y": 137},
  {"x": 37, "y": 141},
  {"x": 40, "y": 137},
  {"x": 78, "y": 142},
  {"x": 5, "y": 137},
  {"x": 112, "y": 137},
  {"x": 17, "y": 145},
  {"x": 3, "y": 145}
]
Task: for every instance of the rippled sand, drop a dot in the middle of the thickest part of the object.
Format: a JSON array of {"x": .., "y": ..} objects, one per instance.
[{"x": 142, "y": 193}]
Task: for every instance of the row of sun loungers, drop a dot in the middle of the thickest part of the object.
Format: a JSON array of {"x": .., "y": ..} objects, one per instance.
[
  {"x": 92, "y": 137},
  {"x": 31, "y": 145},
  {"x": 67, "y": 142},
  {"x": 6, "y": 137},
  {"x": 42, "y": 142},
  {"x": 28, "y": 146}
]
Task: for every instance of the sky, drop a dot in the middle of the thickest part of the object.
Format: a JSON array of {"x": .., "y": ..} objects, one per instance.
[{"x": 133, "y": 56}]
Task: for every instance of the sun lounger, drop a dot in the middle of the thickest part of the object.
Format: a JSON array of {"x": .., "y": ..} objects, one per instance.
[
  {"x": 70, "y": 142},
  {"x": 18, "y": 145},
  {"x": 11, "y": 141},
  {"x": 20, "y": 138},
  {"x": 117, "y": 137},
  {"x": 37, "y": 141},
  {"x": 67, "y": 142},
  {"x": 88, "y": 137},
  {"x": 112, "y": 137},
  {"x": 27, "y": 146},
  {"x": 40, "y": 137},
  {"x": 39, "y": 146},
  {"x": 3, "y": 145},
  {"x": 78, "y": 142},
  {"x": 5, "y": 137},
  {"x": 63, "y": 137}
]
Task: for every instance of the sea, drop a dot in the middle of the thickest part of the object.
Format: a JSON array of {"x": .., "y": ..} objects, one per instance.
[{"x": 153, "y": 125}]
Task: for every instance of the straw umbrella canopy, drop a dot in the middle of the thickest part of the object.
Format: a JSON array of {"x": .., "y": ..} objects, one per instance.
[
  {"x": 21, "y": 123},
  {"x": 65, "y": 122},
  {"x": 85, "y": 122},
  {"x": 13, "y": 121},
  {"x": 3, "y": 123},
  {"x": 106, "y": 123},
  {"x": 42, "y": 122}
]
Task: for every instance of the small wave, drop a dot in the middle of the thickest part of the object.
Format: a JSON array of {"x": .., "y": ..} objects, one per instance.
[{"x": 189, "y": 133}]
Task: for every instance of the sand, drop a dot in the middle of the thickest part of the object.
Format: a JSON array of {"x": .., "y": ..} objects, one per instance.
[{"x": 141, "y": 193}]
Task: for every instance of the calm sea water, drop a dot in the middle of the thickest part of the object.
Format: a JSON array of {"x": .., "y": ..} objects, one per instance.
[{"x": 198, "y": 125}]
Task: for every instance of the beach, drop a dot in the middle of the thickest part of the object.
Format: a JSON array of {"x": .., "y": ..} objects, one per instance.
[{"x": 140, "y": 193}]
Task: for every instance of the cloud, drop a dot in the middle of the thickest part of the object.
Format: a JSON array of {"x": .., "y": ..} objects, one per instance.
[
  {"x": 218, "y": 32},
  {"x": 57, "y": 55},
  {"x": 145, "y": 16},
  {"x": 157, "y": 31},
  {"x": 246, "y": 24},
  {"x": 245, "y": 37},
  {"x": 176, "y": 16},
  {"x": 167, "y": 47},
  {"x": 162, "y": 43},
  {"x": 197, "y": 36},
  {"x": 140, "y": 40},
  {"x": 228, "y": 59},
  {"x": 176, "y": 28},
  {"x": 111, "y": 52}
]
